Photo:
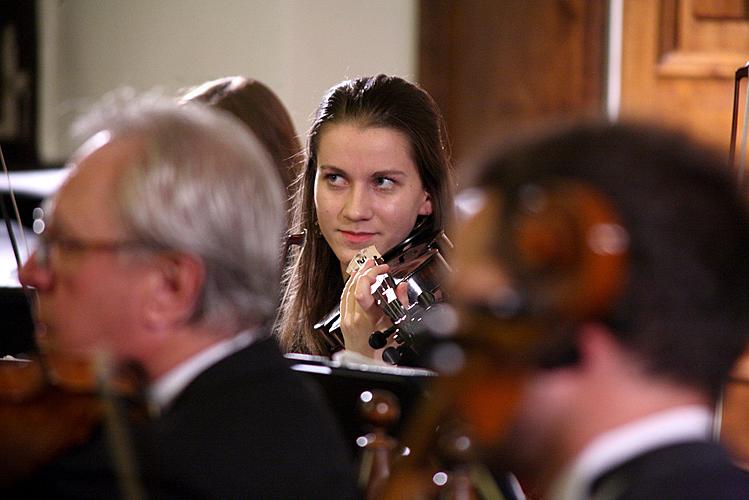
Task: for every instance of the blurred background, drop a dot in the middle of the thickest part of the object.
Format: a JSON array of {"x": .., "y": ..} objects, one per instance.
[{"x": 492, "y": 65}]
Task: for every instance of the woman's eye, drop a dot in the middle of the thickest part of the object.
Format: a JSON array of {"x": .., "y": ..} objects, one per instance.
[
  {"x": 384, "y": 182},
  {"x": 335, "y": 179}
]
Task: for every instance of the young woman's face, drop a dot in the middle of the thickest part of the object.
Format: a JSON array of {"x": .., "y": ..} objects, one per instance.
[{"x": 367, "y": 189}]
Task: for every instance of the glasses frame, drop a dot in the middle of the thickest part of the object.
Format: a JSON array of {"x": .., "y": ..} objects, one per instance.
[{"x": 48, "y": 240}]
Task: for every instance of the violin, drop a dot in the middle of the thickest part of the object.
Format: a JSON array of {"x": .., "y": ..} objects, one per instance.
[
  {"x": 52, "y": 403},
  {"x": 567, "y": 263},
  {"x": 419, "y": 260}
]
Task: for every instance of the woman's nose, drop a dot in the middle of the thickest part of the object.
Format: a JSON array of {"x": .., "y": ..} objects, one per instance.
[{"x": 358, "y": 204}]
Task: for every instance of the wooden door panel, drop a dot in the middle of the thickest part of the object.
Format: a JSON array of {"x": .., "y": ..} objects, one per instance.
[
  {"x": 678, "y": 62},
  {"x": 494, "y": 66}
]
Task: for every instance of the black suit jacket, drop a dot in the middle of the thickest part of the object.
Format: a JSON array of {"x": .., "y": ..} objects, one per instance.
[
  {"x": 684, "y": 471},
  {"x": 247, "y": 427}
]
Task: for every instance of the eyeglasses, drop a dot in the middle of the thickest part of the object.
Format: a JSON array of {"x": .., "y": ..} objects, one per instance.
[{"x": 48, "y": 239}]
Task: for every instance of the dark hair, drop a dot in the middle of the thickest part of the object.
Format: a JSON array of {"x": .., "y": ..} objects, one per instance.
[
  {"x": 313, "y": 282},
  {"x": 263, "y": 112},
  {"x": 686, "y": 302}
]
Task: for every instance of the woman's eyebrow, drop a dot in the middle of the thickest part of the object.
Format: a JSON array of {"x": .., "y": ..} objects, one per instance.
[
  {"x": 329, "y": 167},
  {"x": 389, "y": 173}
]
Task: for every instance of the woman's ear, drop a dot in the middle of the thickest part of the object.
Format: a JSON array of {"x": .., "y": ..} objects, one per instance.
[{"x": 426, "y": 206}]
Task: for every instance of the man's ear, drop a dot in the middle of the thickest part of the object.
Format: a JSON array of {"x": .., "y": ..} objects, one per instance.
[
  {"x": 590, "y": 344},
  {"x": 175, "y": 286},
  {"x": 596, "y": 344}
]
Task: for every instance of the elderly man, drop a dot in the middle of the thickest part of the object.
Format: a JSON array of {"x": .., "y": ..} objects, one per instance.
[
  {"x": 162, "y": 249},
  {"x": 624, "y": 249}
]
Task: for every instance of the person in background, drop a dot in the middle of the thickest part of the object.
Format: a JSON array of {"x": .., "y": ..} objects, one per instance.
[
  {"x": 377, "y": 166},
  {"x": 260, "y": 109},
  {"x": 145, "y": 257},
  {"x": 620, "y": 405}
]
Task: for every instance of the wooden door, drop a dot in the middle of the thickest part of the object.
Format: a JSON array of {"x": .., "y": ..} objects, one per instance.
[
  {"x": 494, "y": 66},
  {"x": 678, "y": 62}
]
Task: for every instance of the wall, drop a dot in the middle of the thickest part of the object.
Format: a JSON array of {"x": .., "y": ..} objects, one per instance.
[{"x": 297, "y": 47}]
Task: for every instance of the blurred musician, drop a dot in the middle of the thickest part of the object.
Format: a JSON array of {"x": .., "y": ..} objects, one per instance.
[
  {"x": 258, "y": 107},
  {"x": 622, "y": 407},
  {"x": 377, "y": 165},
  {"x": 162, "y": 248}
]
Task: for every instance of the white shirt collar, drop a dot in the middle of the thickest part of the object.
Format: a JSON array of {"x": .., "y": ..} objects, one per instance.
[
  {"x": 165, "y": 389},
  {"x": 685, "y": 423}
]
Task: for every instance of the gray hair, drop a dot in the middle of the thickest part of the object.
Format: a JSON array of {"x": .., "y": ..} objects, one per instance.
[{"x": 203, "y": 186}]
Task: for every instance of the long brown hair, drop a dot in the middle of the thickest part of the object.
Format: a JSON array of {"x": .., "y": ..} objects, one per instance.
[
  {"x": 313, "y": 281},
  {"x": 263, "y": 112}
]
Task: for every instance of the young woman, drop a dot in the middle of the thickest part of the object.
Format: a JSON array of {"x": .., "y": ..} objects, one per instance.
[{"x": 377, "y": 164}]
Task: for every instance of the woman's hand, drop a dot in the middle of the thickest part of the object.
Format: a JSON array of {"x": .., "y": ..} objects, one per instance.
[{"x": 360, "y": 314}]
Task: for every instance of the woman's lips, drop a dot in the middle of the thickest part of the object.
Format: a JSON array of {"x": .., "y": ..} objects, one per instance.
[{"x": 357, "y": 238}]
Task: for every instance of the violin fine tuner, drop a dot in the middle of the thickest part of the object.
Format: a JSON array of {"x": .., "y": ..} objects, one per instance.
[{"x": 406, "y": 320}]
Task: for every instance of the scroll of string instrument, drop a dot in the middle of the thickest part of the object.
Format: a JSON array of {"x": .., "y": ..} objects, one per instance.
[
  {"x": 51, "y": 401},
  {"x": 420, "y": 262},
  {"x": 565, "y": 253}
]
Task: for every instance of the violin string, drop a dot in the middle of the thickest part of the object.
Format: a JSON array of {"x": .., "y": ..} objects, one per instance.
[{"x": 14, "y": 244}]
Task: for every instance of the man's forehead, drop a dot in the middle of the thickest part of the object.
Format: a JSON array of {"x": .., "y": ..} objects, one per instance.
[
  {"x": 103, "y": 156},
  {"x": 93, "y": 143},
  {"x": 87, "y": 194}
]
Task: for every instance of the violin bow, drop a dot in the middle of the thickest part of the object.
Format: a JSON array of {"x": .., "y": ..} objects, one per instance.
[
  {"x": 123, "y": 457},
  {"x": 741, "y": 74},
  {"x": 28, "y": 292},
  {"x": 7, "y": 219}
]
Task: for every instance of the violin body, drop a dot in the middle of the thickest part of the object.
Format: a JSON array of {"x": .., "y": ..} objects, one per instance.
[
  {"x": 49, "y": 406},
  {"x": 419, "y": 261}
]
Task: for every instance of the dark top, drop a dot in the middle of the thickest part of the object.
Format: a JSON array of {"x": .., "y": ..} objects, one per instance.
[
  {"x": 247, "y": 427},
  {"x": 685, "y": 471}
]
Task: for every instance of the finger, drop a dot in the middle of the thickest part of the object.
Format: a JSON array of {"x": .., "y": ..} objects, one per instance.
[
  {"x": 367, "y": 265},
  {"x": 401, "y": 291},
  {"x": 363, "y": 291},
  {"x": 378, "y": 269},
  {"x": 383, "y": 323},
  {"x": 348, "y": 301},
  {"x": 366, "y": 278},
  {"x": 371, "y": 270},
  {"x": 363, "y": 267}
]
